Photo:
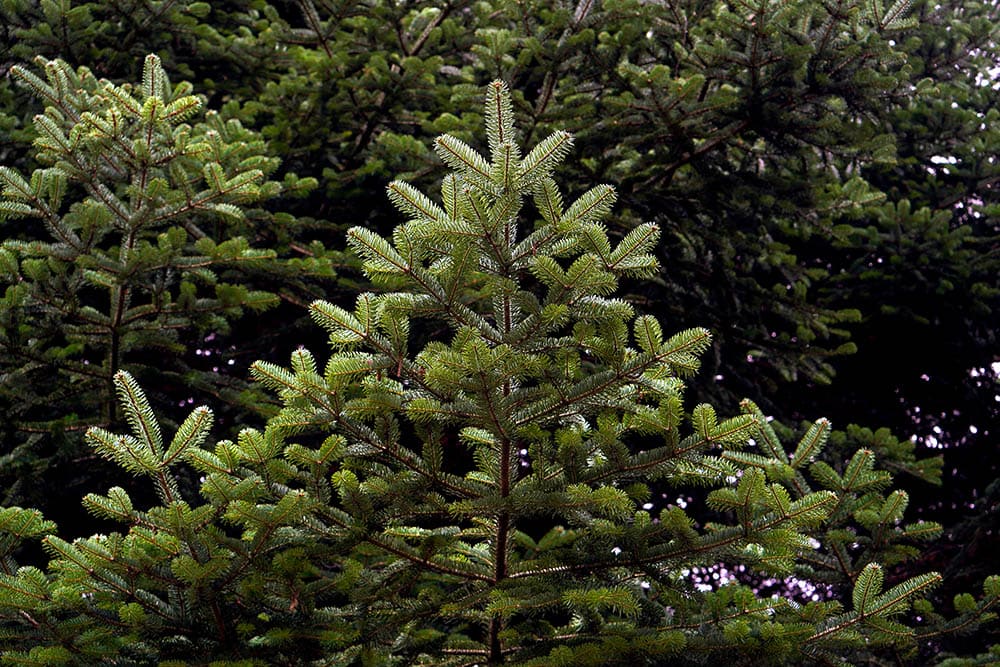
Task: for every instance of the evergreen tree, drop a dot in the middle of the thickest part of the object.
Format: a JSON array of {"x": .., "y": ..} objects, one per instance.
[
  {"x": 926, "y": 263},
  {"x": 698, "y": 108},
  {"x": 467, "y": 479},
  {"x": 126, "y": 248}
]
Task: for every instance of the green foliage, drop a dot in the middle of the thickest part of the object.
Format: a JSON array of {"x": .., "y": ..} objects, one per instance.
[
  {"x": 709, "y": 117},
  {"x": 125, "y": 247},
  {"x": 480, "y": 496},
  {"x": 694, "y": 110},
  {"x": 755, "y": 137},
  {"x": 821, "y": 176}
]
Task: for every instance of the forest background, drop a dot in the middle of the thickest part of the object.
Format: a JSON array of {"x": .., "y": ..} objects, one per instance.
[{"x": 824, "y": 175}]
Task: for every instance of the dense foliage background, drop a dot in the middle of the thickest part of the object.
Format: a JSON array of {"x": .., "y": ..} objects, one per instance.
[{"x": 824, "y": 175}]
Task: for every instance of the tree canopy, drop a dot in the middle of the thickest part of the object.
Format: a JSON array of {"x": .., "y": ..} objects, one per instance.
[{"x": 821, "y": 177}]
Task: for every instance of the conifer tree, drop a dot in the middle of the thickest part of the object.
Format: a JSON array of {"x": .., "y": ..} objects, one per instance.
[
  {"x": 810, "y": 89},
  {"x": 467, "y": 478},
  {"x": 123, "y": 249},
  {"x": 730, "y": 123},
  {"x": 926, "y": 260}
]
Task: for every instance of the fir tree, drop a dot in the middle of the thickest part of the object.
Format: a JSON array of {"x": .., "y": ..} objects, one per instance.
[
  {"x": 693, "y": 112},
  {"x": 467, "y": 478},
  {"x": 125, "y": 248},
  {"x": 926, "y": 262}
]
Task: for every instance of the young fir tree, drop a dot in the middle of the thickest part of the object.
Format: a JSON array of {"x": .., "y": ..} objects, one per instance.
[
  {"x": 467, "y": 479},
  {"x": 123, "y": 250}
]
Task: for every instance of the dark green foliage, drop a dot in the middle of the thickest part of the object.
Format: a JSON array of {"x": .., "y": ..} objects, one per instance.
[
  {"x": 483, "y": 497},
  {"x": 923, "y": 268}
]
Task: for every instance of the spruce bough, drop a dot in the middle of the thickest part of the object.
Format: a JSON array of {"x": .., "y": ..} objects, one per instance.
[{"x": 489, "y": 499}]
